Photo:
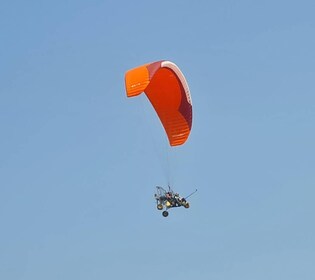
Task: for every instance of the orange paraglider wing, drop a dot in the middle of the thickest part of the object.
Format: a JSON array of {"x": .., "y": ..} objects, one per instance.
[{"x": 168, "y": 91}]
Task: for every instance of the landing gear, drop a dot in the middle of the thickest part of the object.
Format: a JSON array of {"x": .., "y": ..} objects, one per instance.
[
  {"x": 165, "y": 213},
  {"x": 159, "y": 207}
]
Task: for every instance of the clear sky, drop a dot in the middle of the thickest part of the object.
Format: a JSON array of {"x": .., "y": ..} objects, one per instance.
[{"x": 79, "y": 161}]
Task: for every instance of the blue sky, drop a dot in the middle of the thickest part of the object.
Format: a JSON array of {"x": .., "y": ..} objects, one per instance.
[{"x": 79, "y": 161}]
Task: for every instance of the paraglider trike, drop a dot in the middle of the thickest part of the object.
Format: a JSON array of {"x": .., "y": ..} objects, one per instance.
[{"x": 169, "y": 199}]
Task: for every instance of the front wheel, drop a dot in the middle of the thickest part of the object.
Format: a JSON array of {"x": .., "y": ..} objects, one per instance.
[
  {"x": 165, "y": 213},
  {"x": 186, "y": 205}
]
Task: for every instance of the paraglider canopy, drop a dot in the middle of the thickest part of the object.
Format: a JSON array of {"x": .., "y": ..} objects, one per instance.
[{"x": 168, "y": 91}]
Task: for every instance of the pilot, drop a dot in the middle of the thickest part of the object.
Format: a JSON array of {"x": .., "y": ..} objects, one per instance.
[{"x": 168, "y": 195}]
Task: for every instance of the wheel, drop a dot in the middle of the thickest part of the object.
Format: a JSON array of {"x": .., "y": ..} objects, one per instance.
[
  {"x": 165, "y": 213},
  {"x": 159, "y": 207},
  {"x": 186, "y": 205}
]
